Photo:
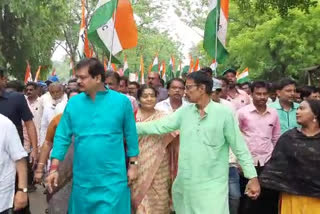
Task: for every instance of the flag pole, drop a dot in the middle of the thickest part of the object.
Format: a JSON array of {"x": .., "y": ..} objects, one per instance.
[
  {"x": 114, "y": 28},
  {"x": 216, "y": 52}
]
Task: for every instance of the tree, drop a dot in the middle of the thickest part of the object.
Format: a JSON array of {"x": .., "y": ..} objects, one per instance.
[{"x": 28, "y": 32}]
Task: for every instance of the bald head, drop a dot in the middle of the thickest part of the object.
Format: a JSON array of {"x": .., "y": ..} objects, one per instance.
[
  {"x": 56, "y": 90},
  {"x": 154, "y": 79}
]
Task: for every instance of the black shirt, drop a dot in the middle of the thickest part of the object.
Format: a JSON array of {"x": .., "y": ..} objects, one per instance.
[{"x": 14, "y": 106}]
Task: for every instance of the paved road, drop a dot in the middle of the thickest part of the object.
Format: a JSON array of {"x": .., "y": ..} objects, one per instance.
[{"x": 38, "y": 203}]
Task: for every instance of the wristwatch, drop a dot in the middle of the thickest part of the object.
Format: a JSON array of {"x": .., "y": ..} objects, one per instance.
[
  {"x": 25, "y": 190},
  {"x": 133, "y": 162}
]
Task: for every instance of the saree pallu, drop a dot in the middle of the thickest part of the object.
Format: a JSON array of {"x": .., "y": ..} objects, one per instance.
[
  {"x": 151, "y": 192},
  {"x": 296, "y": 204},
  {"x": 59, "y": 199}
]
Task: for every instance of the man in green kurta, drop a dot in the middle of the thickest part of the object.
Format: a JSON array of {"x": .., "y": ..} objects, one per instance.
[
  {"x": 207, "y": 130},
  {"x": 99, "y": 120}
]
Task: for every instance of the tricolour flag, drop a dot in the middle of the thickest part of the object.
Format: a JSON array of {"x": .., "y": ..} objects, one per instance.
[
  {"x": 163, "y": 71},
  {"x": 214, "y": 65},
  {"x": 83, "y": 43},
  {"x": 170, "y": 71},
  {"x": 155, "y": 65},
  {"x": 112, "y": 26},
  {"x": 37, "y": 74},
  {"x": 243, "y": 76},
  {"x": 196, "y": 65},
  {"x": 28, "y": 74},
  {"x": 179, "y": 72},
  {"x": 141, "y": 69},
  {"x": 215, "y": 35},
  {"x": 105, "y": 63},
  {"x": 126, "y": 70},
  {"x": 191, "y": 65}
]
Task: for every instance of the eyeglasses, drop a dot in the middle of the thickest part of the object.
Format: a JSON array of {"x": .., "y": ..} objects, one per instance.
[{"x": 188, "y": 87}]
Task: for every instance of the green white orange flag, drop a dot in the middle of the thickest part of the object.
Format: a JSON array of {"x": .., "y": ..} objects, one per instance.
[
  {"x": 191, "y": 65},
  {"x": 112, "y": 26},
  {"x": 126, "y": 70},
  {"x": 83, "y": 48},
  {"x": 196, "y": 65},
  {"x": 170, "y": 71},
  {"x": 163, "y": 70},
  {"x": 243, "y": 76},
  {"x": 28, "y": 74},
  {"x": 141, "y": 70},
  {"x": 214, "y": 65},
  {"x": 37, "y": 74},
  {"x": 215, "y": 35},
  {"x": 155, "y": 65}
]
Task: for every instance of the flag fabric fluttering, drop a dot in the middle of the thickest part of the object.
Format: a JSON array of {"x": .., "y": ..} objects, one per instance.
[
  {"x": 179, "y": 72},
  {"x": 83, "y": 43},
  {"x": 105, "y": 63},
  {"x": 37, "y": 74},
  {"x": 191, "y": 65},
  {"x": 155, "y": 65},
  {"x": 141, "y": 69},
  {"x": 170, "y": 71},
  {"x": 196, "y": 65},
  {"x": 214, "y": 65},
  {"x": 112, "y": 26},
  {"x": 163, "y": 71},
  {"x": 215, "y": 35},
  {"x": 28, "y": 74},
  {"x": 243, "y": 76},
  {"x": 126, "y": 69}
]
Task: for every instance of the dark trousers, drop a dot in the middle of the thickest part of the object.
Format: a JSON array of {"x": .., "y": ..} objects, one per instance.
[{"x": 267, "y": 203}]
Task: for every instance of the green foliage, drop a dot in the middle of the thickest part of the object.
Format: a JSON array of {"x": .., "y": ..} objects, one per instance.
[
  {"x": 270, "y": 45},
  {"x": 28, "y": 32}
]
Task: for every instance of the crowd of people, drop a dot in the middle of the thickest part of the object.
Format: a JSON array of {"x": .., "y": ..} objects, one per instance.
[{"x": 198, "y": 144}]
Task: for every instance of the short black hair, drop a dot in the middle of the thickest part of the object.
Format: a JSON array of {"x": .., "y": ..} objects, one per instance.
[
  {"x": 259, "y": 84},
  {"x": 2, "y": 72},
  {"x": 175, "y": 79},
  {"x": 17, "y": 85},
  {"x": 230, "y": 70},
  {"x": 134, "y": 83},
  {"x": 114, "y": 75},
  {"x": 201, "y": 78},
  {"x": 306, "y": 91},
  {"x": 144, "y": 87},
  {"x": 285, "y": 82},
  {"x": 207, "y": 70},
  {"x": 125, "y": 79},
  {"x": 72, "y": 80},
  {"x": 315, "y": 107},
  {"x": 33, "y": 84},
  {"x": 95, "y": 67}
]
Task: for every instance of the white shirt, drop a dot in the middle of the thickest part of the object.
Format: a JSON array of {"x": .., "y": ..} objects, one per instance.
[
  {"x": 166, "y": 107},
  {"x": 11, "y": 150},
  {"x": 50, "y": 107},
  {"x": 36, "y": 110}
]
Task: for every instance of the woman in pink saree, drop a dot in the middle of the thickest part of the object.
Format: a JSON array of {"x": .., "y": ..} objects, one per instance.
[{"x": 151, "y": 191}]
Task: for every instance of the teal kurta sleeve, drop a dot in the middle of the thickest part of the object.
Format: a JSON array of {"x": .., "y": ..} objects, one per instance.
[
  {"x": 239, "y": 147},
  {"x": 164, "y": 125},
  {"x": 62, "y": 138},
  {"x": 130, "y": 130}
]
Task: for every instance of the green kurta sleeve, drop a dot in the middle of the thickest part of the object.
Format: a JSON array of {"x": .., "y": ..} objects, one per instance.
[
  {"x": 62, "y": 138},
  {"x": 239, "y": 147},
  {"x": 164, "y": 125}
]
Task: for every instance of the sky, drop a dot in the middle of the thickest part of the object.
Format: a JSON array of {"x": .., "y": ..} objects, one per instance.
[{"x": 171, "y": 22}]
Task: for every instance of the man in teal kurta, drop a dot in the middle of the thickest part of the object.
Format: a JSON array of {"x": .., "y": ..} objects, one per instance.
[
  {"x": 99, "y": 120},
  {"x": 285, "y": 106},
  {"x": 207, "y": 130}
]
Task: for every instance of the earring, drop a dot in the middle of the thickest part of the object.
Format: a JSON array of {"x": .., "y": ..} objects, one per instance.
[{"x": 314, "y": 120}]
